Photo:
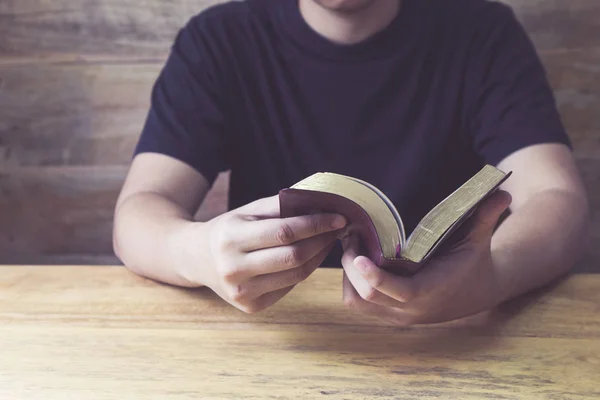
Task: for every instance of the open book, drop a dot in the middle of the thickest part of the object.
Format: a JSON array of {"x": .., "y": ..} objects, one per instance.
[{"x": 373, "y": 217}]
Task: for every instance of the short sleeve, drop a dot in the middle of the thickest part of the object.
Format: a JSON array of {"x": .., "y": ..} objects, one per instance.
[
  {"x": 187, "y": 118},
  {"x": 509, "y": 102}
]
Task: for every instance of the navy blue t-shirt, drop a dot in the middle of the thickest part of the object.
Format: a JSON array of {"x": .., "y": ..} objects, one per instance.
[{"x": 416, "y": 109}]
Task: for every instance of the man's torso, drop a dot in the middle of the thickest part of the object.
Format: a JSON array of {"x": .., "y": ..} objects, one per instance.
[{"x": 389, "y": 111}]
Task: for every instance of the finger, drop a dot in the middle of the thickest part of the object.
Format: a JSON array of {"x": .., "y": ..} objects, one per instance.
[
  {"x": 362, "y": 287},
  {"x": 283, "y": 258},
  {"x": 262, "y": 302},
  {"x": 268, "y": 299},
  {"x": 350, "y": 245},
  {"x": 398, "y": 288},
  {"x": 353, "y": 300},
  {"x": 443, "y": 275},
  {"x": 487, "y": 215},
  {"x": 277, "y": 232},
  {"x": 263, "y": 284},
  {"x": 267, "y": 207},
  {"x": 367, "y": 292}
]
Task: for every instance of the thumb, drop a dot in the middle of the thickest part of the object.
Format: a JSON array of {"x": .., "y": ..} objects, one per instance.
[
  {"x": 350, "y": 247},
  {"x": 349, "y": 243},
  {"x": 487, "y": 215}
]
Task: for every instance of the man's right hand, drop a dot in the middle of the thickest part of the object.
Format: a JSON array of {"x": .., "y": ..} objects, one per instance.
[
  {"x": 256, "y": 257},
  {"x": 249, "y": 256}
]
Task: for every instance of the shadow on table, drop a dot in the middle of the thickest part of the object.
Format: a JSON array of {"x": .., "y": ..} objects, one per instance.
[
  {"x": 329, "y": 327},
  {"x": 463, "y": 338}
]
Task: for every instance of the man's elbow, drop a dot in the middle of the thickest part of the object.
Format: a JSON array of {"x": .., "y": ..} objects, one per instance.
[
  {"x": 585, "y": 225},
  {"x": 579, "y": 224},
  {"x": 120, "y": 246},
  {"x": 116, "y": 245},
  {"x": 123, "y": 253}
]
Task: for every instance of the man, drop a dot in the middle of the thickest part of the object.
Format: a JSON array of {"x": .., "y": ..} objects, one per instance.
[{"x": 413, "y": 96}]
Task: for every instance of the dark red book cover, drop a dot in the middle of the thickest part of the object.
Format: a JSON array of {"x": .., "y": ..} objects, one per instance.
[{"x": 295, "y": 202}]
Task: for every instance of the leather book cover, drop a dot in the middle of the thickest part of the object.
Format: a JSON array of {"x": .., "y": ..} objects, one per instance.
[{"x": 295, "y": 202}]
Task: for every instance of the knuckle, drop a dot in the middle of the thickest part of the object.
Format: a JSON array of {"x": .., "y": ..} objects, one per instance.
[
  {"x": 225, "y": 241},
  {"x": 250, "y": 308},
  {"x": 317, "y": 224},
  {"x": 293, "y": 277},
  {"x": 369, "y": 295},
  {"x": 229, "y": 273},
  {"x": 409, "y": 295},
  {"x": 236, "y": 293},
  {"x": 402, "y": 320},
  {"x": 351, "y": 301},
  {"x": 376, "y": 280},
  {"x": 230, "y": 218},
  {"x": 300, "y": 274},
  {"x": 413, "y": 291},
  {"x": 292, "y": 257},
  {"x": 284, "y": 234},
  {"x": 348, "y": 258},
  {"x": 305, "y": 272}
]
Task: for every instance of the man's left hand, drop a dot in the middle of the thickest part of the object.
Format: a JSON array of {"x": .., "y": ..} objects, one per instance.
[{"x": 457, "y": 283}]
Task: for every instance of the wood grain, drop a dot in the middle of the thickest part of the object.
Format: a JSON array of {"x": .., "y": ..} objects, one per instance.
[
  {"x": 75, "y": 81},
  {"x": 575, "y": 79},
  {"x": 36, "y": 258},
  {"x": 93, "y": 114},
  {"x": 82, "y": 363},
  {"x": 144, "y": 28},
  {"x": 556, "y": 25},
  {"x": 45, "y": 29},
  {"x": 111, "y": 296},
  {"x": 58, "y": 210},
  {"x": 73, "y": 115},
  {"x": 94, "y": 119},
  {"x": 590, "y": 171},
  {"x": 103, "y": 333},
  {"x": 69, "y": 210}
]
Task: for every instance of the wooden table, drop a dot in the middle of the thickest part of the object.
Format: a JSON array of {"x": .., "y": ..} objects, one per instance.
[{"x": 104, "y": 333}]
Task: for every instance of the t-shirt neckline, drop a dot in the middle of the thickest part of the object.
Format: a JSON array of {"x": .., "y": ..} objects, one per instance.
[{"x": 376, "y": 46}]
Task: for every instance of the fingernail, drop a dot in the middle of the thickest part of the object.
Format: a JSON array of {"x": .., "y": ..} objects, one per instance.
[
  {"x": 338, "y": 222},
  {"x": 343, "y": 238},
  {"x": 360, "y": 265}
]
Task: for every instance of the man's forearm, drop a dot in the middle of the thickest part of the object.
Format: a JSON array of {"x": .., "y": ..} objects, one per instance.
[
  {"x": 150, "y": 236},
  {"x": 540, "y": 241}
]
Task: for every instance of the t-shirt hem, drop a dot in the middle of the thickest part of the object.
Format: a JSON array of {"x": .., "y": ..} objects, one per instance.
[
  {"x": 506, "y": 148},
  {"x": 198, "y": 161}
]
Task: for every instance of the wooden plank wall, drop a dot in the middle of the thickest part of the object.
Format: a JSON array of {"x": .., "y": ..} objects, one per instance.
[{"x": 75, "y": 79}]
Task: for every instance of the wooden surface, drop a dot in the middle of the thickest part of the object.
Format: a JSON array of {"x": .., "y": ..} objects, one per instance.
[
  {"x": 104, "y": 333},
  {"x": 129, "y": 29},
  {"x": 75, "y": 79},
  {"x": 75, "y": 216},
  {"x": 52, "y": 29}
]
